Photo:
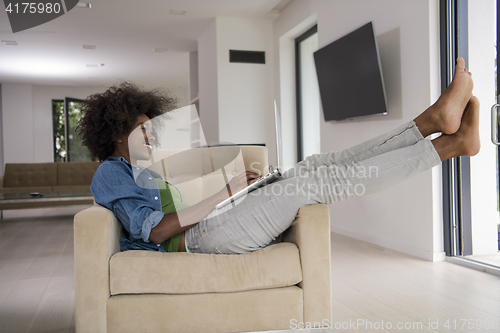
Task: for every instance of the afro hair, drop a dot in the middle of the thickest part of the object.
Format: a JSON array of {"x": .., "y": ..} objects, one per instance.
[{"x": 110, "y": 115}]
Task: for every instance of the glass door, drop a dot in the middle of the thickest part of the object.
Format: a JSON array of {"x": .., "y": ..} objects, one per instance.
[
  {"x": 482, "y": 17},
  {"x": 470, "y": 185},
  {"x": 58, "y": 128},
  {"x": 483, "y": 54},
  {"x": 76, "y": 152}
]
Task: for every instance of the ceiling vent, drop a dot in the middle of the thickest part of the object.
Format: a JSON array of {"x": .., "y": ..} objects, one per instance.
[
  {"x": 178, "y": 11},
  {"x": 84, "y": 4},
  {"x": 9, "y": 42}
]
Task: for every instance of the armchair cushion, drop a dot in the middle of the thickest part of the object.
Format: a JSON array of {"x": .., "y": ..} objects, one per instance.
[{"x": 275, "y": 266}]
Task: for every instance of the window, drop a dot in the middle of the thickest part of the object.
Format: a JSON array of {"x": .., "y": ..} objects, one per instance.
[
  {"x": 307, "y": 91},
  {"x": 67, "y": 145},
  {"x": 58, "y": 126}
]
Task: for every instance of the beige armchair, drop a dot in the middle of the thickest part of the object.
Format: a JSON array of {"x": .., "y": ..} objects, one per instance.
[{"x": 143, "y": 291}]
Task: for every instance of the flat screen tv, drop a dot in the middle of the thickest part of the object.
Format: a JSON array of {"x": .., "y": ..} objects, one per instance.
[{"x": 350, "y": 76}]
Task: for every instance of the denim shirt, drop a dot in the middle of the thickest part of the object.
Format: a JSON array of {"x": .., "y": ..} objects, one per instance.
[{"x": 132, "y": 194}]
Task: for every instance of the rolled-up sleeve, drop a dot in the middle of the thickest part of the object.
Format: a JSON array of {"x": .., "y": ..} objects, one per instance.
[
  {"x": 149, "y": 223},
  {"x": 137, "y": 207}
]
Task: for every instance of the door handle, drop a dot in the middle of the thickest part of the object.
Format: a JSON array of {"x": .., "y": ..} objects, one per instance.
[{"x": 494, "y": 124}]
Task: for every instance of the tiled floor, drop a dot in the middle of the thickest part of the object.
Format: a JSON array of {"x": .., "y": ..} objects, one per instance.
[
  {"x": 36, "y": 274},
  {"x": 371, "y": 285}
]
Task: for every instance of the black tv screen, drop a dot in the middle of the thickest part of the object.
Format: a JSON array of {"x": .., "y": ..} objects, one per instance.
[{"x": 350, "y": 76}]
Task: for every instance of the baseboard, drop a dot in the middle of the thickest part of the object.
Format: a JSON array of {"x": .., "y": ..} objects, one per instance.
[{"x": 419, "y": 253}]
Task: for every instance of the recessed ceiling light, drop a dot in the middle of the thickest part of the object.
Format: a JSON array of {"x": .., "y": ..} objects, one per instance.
[
  {"x": 95, "y": 65},
  {"x": 178, "y": 11},
  {"x": 9, "y": 42},
  {"x": 160, "y": 50},
  {"x": 84, "y": 5},
  {"x": 89, "y": 47}
]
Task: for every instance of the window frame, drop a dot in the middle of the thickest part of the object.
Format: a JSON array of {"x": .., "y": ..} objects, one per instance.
[
  {"x": 456, "y": 182},
  {"x": 298, "y": 90}
]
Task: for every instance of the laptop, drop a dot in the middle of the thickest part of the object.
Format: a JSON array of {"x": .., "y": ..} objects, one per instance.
[{"x": 271, "y": 176}]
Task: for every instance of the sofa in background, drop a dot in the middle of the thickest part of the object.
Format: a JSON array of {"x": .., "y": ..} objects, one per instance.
[
  {"x": 142, "y": 291},
  {"x": 46, "y": 178}
]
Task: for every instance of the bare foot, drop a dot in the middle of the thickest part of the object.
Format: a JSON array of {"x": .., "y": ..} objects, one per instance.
[
  {"x": 445, "y": 115},
  {"x": 469, "y": 130},
  {"x": 465, "y": 141}
]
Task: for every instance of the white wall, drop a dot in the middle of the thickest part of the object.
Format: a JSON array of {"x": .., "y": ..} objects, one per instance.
[
  {"x": 193, "y": 84},
  {"x": 18, "y": 123},
  {"x": 294, "y": 20},
  {"x": 404, "y": 217},
  {"x": 208, "y": 82},
  {"x": 245, "y": 90},
  {"x": 181, "y": 93},
  {"x": 236, "y": 100},
  {"x": 27, "y": 118}
]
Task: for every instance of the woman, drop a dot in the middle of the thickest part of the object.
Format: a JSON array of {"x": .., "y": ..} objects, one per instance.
[{"x": 117, "y": 122}]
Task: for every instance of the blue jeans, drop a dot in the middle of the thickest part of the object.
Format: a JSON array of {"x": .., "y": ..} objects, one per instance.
[{"x": 264, "y": 214}]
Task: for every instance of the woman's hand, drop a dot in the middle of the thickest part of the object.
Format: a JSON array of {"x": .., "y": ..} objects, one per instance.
[
  {"x": 241, "y": 181},
  {"x": 174, "y": 223}
]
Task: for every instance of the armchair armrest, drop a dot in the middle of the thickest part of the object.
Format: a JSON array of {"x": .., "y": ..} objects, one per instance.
[
  {"x": 311, "y": 233},
  {"x": 97, "y": 238},
  {"x": 1, "y": 181}
]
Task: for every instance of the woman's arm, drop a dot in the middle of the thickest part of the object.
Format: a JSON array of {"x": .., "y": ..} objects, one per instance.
[{"x": 175, "y": 223}]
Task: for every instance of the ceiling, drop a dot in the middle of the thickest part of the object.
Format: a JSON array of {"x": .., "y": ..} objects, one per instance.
[{"x": 125, "y": 33}]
